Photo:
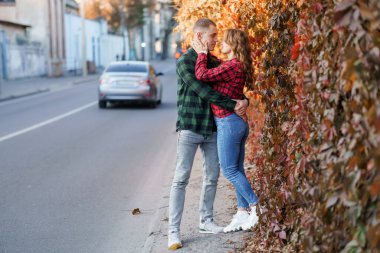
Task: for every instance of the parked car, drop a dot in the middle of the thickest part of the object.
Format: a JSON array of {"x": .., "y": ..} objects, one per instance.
[{"x": 130, "y": 81}]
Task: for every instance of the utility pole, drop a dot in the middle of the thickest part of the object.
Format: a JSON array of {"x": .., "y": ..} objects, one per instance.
[
  {"x": 1, "y": 74},
  {"x": 122, "y": 12},
  {"x": 1, "y": 69},
  {"x": 84, "y": 55},
  {"x": 151, "y": 35},
  {"x": 143, "y": 44}
]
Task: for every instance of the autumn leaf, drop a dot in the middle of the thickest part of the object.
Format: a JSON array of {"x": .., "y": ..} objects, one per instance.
[
  {"x": 374, "y": 188},
  {"x": 282, "y": 235},
  {"x": 136, "y": 211}
]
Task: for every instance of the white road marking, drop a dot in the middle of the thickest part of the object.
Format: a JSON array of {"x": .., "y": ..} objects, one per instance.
[{"x": 49, "y": 121}]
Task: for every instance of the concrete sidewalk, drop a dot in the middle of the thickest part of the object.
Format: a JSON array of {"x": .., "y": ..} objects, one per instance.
[
  {"x": 29, "y": 86},
  {"x": 193, "y": 241}
]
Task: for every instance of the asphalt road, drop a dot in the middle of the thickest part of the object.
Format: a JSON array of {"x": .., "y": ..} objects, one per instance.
[{"x": 70, "y": 173}]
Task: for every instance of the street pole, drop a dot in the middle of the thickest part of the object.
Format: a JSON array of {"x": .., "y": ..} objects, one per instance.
[
  {"x": 142, "y": 45},
  {"x": 1, "y": 69},
  {"x": 151, "y": 36},
  {"x": 84, "y": 55},
  {"x": 122, "y": 12},
  {"x": 1, "y": 79}
]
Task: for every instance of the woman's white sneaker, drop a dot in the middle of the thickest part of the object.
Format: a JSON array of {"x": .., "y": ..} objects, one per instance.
[
  {"x": 253, "y": 219},
  {"x": 238, "y": 220}
]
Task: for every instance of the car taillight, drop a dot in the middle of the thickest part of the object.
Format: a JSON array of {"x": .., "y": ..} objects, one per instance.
[
  {"x": 145, "y": 81},
  {"x": 102, "y": 81}
]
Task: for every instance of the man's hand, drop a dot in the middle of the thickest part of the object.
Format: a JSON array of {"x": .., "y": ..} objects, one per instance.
[
  {"x": 241, "y": 107},
  {"x": 244, "y": 117}
]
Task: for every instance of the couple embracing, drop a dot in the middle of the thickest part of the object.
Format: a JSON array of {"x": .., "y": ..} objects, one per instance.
[{"x": 212, "y": 116}]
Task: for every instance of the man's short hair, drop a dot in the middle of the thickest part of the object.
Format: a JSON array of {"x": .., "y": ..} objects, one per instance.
[{"x": 203, "y": 23}]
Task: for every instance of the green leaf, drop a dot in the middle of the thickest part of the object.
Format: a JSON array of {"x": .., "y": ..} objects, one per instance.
[
  {"x": 360, "y": 236},
  {"x": 351, "y": 247}
]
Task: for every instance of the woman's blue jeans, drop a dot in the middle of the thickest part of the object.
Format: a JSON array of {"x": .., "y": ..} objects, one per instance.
[{"x": 231, "y": 137}]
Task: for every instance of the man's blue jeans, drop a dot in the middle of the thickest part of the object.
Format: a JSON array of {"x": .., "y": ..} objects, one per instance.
[
  {"x": 232, "y": 135},
  {"x": 187, "y": 145}
]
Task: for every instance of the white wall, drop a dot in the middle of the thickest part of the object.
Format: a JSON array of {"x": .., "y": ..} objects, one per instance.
[
  {"x": 101, "y": 47},
  {"x": 26, "y": 61},
  {"x": 112, "y": 45}
]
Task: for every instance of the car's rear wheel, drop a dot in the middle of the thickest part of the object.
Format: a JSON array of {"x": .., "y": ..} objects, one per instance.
[
  {"x": 153, "y": 104},
  {"x": 102, "y": 104}
]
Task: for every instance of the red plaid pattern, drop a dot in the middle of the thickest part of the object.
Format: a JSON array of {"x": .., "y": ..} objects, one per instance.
[{"x": 227, "y": 79}]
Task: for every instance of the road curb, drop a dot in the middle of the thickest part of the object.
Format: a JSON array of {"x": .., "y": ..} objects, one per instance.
[
  {"x": 94, "y": 78},
  {"x": 35, "y": 92},
  {"x": 155, "y": 226},
  {"x": 14, "y": 96}
]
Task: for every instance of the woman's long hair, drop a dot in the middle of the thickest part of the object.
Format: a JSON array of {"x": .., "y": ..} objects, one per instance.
[{"x": 239, "y": 43}]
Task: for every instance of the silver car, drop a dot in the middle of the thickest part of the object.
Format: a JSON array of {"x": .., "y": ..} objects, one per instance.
[{"x": 130, "y": 81}]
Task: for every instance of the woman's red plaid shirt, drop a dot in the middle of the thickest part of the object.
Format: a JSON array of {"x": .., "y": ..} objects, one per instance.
[{"x": 228, "y": 79}]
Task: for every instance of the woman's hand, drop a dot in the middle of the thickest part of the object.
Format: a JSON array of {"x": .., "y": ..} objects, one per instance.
[{"x": 199, "y": 47}]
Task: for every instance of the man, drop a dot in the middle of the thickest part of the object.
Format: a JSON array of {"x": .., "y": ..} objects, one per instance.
[{"x": 196, "y": 127}]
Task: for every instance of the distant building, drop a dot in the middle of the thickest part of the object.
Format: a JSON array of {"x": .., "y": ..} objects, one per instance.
[
  {"x": 72, "y": 7},
  {"x": 31, "y": 38},
  {"x": 101, "y": 46},
  {"x": 44, "y": 37}
]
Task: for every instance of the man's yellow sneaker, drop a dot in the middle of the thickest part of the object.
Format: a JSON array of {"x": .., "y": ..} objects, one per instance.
[{"x": 174, "y": 240}]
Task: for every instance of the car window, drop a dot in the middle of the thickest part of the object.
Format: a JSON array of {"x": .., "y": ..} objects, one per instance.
[{"x": 126, "y": 68}]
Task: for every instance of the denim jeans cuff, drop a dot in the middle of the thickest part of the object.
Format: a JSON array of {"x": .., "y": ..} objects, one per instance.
[
  {"x": 254, "y": 203},
  {"x": 173, "y": 230}
]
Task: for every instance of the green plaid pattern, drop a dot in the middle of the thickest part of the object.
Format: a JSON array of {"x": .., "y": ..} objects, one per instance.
[{"x": 194, "y": 97}]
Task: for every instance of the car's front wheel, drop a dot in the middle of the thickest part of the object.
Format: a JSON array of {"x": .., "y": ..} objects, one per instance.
[{"x": 102, "y": 104}]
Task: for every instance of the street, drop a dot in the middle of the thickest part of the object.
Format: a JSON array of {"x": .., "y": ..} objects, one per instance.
[{"x": 71, "y": 173}]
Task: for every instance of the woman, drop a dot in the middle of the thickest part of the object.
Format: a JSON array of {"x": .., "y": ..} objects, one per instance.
[{"x": 230, "y": 78}]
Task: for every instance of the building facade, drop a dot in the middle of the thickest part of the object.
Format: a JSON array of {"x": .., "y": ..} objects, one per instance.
[
  {"x": 31, "y": 42},
  {"x": 101, "y": 47},
  {"x": 49, "y": 38}
]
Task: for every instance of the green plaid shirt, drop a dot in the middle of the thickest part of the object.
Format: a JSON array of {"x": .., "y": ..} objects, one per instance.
[{"x": 194, "y": 97}]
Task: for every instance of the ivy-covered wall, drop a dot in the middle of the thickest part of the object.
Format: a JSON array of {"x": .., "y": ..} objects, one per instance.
[{"x": 314, "y": 118}]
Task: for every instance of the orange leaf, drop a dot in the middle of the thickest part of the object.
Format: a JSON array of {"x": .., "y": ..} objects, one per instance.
[{"x": 374, "y": 188}]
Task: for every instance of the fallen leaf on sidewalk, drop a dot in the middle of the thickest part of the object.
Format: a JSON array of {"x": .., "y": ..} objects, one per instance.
[{"x": 136, "y": 211}]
